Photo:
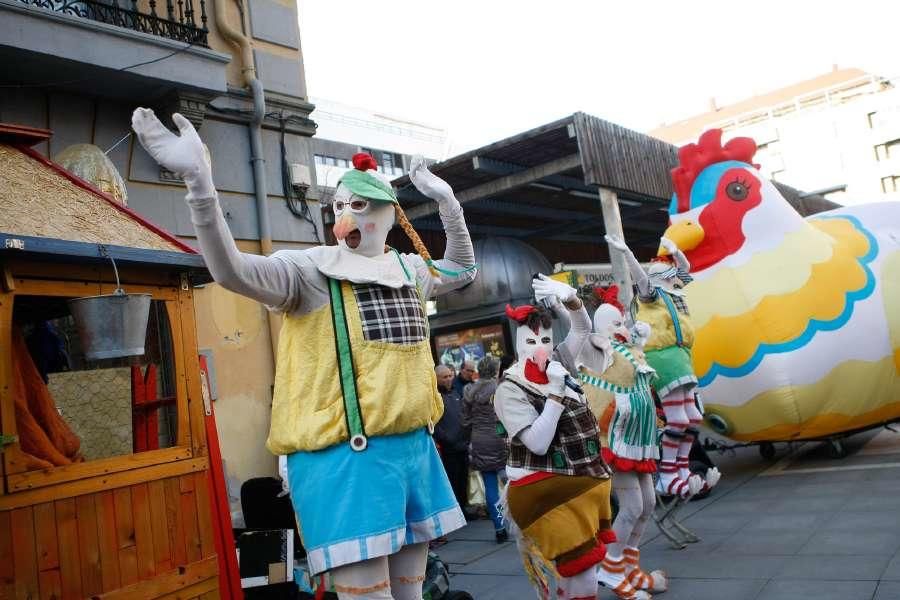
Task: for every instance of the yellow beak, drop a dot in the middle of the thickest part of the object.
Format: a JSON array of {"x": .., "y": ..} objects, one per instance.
[{"x": 687, "y": 235}]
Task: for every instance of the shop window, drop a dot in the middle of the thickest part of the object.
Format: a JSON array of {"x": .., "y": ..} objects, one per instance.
[
  {"x": 890, "y": 184},
  {"x": 89, "y": 409}
]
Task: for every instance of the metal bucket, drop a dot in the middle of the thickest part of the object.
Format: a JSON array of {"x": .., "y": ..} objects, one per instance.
[{"x": 112, "y": 325}]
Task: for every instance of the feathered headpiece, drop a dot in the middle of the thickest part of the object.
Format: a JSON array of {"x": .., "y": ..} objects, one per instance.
[
  {"x": 531, "y": 316},
  {"x": 609, "y": 295}
]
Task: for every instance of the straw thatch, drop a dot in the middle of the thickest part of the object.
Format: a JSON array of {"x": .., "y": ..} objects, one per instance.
[{"x": 37, "y": 201}]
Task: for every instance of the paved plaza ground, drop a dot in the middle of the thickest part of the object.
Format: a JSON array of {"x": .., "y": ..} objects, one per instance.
[{"x": 801, "y": 526}]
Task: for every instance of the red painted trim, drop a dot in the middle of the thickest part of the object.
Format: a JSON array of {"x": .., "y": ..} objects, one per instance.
[
  {"x": 583, "y": 562},
  {"x": 87, "y": 186},
  {"x": 229, "y": 571},
  {"x": 22, "y": 134}
]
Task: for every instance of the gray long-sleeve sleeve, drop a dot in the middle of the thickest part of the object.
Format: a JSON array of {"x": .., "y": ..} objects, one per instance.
[
  {"x": 265, "y": 279},
  {"x": 580, "y": 327},
  {"x": 459, "y": 254}
]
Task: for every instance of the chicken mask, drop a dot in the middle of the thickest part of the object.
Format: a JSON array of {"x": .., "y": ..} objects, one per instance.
[
  {"x": 534, "y": 340},
  {"x": 664, "y": 275},
  {"x": 364, "y": 209},
  {"x": 609, "y": 325}
]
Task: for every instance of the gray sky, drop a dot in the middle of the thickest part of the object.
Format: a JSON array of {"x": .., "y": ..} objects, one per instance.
[{"x": 488, "y": 69}]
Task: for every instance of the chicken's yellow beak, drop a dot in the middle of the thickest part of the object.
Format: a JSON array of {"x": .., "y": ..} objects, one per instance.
[{"x": 687, "y": 235}]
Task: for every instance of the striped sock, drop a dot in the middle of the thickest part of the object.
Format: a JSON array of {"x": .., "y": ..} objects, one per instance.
[{"x": 611, "y": 574}]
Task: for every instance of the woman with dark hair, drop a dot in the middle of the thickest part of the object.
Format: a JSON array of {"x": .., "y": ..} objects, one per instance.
[{"x": 487, "y": 452}]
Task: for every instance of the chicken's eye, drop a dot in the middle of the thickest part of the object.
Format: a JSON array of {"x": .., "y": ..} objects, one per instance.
[{"x": 737, "y": 190}]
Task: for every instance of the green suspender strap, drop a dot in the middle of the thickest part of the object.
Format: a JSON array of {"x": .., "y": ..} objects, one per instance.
[
  {"x": 670, "y": 306},
  {"x": 352, "y": 412}
]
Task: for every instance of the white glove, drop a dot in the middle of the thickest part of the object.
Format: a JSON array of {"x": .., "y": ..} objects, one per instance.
[
  {"x": 641, "y": 333},
  {"x": 669, "y": 245},
  {"x": 429, "y": 184},
  {"x": 184, "y": 155},
  {"x": 616, "y": 242},
  {"x": 557, "y": 374},
  {"x": 545, "y": 287}
]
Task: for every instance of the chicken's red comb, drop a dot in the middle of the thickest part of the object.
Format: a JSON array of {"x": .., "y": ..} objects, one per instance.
[
  {"x": 609, "y": 295},
  {"x": 364, "y": 162},
  {"x": 693, "y": 158},
  {"x": 519, "y": 314}
]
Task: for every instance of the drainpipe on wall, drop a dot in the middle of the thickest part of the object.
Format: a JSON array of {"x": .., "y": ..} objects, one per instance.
[{"x": 248, "y": 69}]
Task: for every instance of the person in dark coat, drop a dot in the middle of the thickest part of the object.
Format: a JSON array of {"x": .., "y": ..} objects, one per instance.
[
  {"x": 452, "y": 437},
  {"x": 487, "y": 451},
  {"x": 465, "y": 376}
]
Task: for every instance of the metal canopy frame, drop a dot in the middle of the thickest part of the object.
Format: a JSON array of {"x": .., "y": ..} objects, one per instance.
[{"x": 544, "y": 186}]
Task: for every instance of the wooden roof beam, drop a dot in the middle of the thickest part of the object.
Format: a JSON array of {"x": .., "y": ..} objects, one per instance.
[{"x": 503, "y": 184}]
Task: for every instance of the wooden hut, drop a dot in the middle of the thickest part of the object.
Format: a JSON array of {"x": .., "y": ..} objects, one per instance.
[{"x": 105, "y": 464}]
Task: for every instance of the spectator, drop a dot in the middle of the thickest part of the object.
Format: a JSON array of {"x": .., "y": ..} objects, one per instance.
[
  {"x": 505, "y": 361},
  {"x": 466, "y": 374},
  {"x": 488, "y": 449},
  {"x": 452, "y": 437}
]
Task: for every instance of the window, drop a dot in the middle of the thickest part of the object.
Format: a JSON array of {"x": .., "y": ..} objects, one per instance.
[
  {"x": 884, "y": 151},
  {"x": 89, "y": 409},
  {"x": 389, "y": 163},
  {"x": 870, "y": 118},
  {"x": 890, "y": 184},
  {"x": 320, "y": 160}
]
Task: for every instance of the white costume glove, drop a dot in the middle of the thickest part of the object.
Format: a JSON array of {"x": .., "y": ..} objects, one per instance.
[
  {"x": 557, "y": 374},
  {"x": 550, "y": 288},
  {"x": 431, "y": 185},
  {"x": 616, "y": 242},
  {"x": 184, "y": 155},
  {"x": 641, "y": 333},
  {"x": 623, "y": 404}
]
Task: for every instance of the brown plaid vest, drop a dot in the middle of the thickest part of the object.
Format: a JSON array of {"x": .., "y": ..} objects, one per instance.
[{"x": 575, "y": 449}]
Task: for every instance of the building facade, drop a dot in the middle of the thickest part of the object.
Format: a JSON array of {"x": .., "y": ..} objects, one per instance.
[
  {"x": 79, "y": 68},
  {"x": 838, "y": 134},
  {"x": 343, "y": 130}
]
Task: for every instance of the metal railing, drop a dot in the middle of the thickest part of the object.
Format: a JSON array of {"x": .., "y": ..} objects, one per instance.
[{"x": 178, "y": 20}]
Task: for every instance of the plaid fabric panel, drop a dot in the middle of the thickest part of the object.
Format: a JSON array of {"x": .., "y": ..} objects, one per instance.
[
  {"x": 391, "y": 315},
  {"x": 678, "y": 301},
  {"x": 575, "y": 450}
]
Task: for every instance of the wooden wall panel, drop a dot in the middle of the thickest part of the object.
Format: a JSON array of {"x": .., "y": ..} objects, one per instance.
[
  {"x": 155, "y": 535},
  {"x": 89, "y": 540},
  {"x": 109, "y": 548},
  {"x": 204, "y": 514},
  {"x": 143, "y": 531},
  {"x": 189, "y": 510},
  {"x": 125, "y": 536},
  {"x": 7, "y": 566},
  {"x": 69, "y": 554},
  {"x": 162, "y": 552},
  {"x": 25, "y": 554}
]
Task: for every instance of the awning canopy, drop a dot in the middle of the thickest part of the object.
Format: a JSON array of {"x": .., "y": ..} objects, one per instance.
[{"x": 542, "y": 187}]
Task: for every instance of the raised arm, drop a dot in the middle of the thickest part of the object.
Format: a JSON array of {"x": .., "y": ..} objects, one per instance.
[
  {"x": 266, "y": 279},
  {"x": 579, "y": 320},
  {"x": 638, "y": 275},
  {"x": 457, "y": 267},
  {"x": 681, "y": 261}
]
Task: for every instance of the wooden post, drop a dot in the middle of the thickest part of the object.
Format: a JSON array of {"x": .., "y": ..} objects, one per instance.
[{"x": 612, "y": 223}]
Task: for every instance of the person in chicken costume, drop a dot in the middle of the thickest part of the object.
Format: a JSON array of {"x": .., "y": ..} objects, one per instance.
[
  {"x": 661, "y": 304},
  {"x": 558, "y": 492},
  {"x": 617, "y": 387},
  {"x": 355, "y": 392}
]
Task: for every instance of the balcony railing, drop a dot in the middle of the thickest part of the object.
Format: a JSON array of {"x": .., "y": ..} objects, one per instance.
[{"x": 178, "y": 20}]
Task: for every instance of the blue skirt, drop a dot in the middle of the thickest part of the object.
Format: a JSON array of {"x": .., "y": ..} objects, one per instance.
[{"x": 352, "y": 506}]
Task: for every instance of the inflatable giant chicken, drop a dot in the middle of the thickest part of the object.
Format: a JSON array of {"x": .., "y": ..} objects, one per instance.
[{"x": 797, "y": 320}]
